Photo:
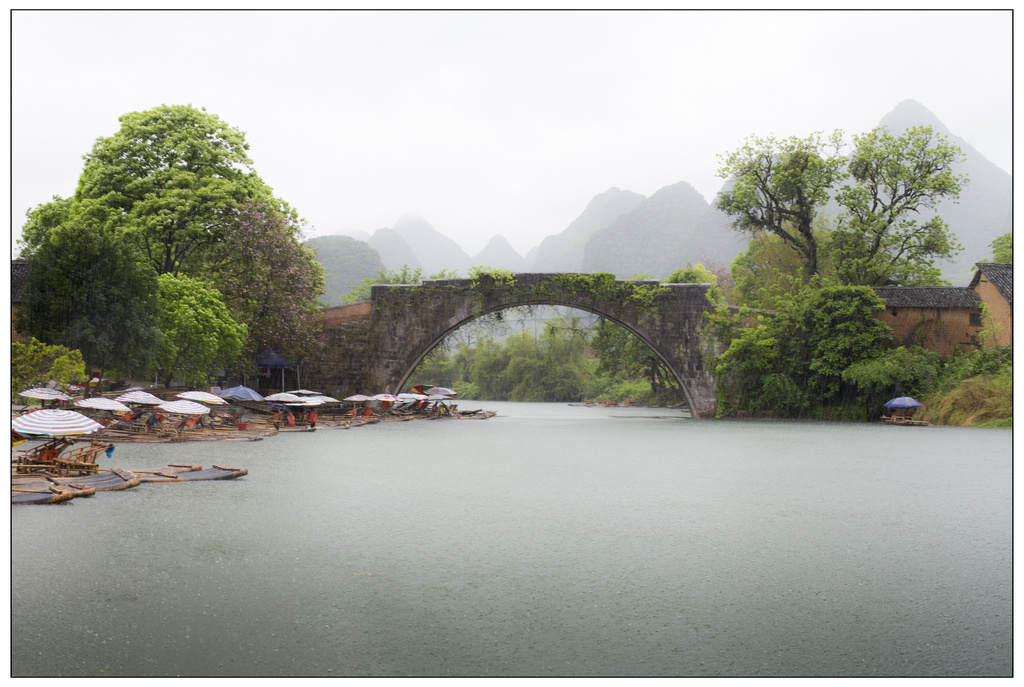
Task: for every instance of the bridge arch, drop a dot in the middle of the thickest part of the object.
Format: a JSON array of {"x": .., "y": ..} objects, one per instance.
[{"x": 403, "y": 323}]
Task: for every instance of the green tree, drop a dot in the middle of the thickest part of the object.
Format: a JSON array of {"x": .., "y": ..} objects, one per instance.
[
  {"x": 406, "y": 275},
  {"x": 792, "y": 362},
  {"x": 170, "y": 181},
  {"x": 90, "y": 292},
  {"x": 779, "y": 186},
  {"x": 197, "y": 334},
  {"x": 895, "y": 179},
  {"x": 698, "y": 274},
  {"x": 270, "y": 281},
  {"x": 1002, "y": 249},
  {"x": 35, "y": 364},
  {"x": 42, "y": 220}
]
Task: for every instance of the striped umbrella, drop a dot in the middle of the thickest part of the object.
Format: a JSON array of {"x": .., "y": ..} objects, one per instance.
[
  {"x": 101, "y": 403},
  {"x": 45, "y": 394},
  {"x": 54, "y": 423},
  {"x": 183, "y": 408},
  {"x": 201, "y": 396},
  {"x": 139, "y": 397}
]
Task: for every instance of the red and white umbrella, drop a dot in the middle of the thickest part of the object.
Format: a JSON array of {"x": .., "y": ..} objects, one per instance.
[
  {"x": 100, "y": 403},
  {"x": 44, "y": 394},
  {"x": 54, "y": 423},
  {"x": 385, "y": 397},
  {"x": 201, "y": 396},
  {"x": 183, "y": 408},
  {"x": 139, "y": 397}
]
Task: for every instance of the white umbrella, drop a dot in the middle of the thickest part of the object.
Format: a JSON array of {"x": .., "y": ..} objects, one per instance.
[
  {"x": 201, "y": 396},
  {"x": 100, "y": 403},
  {"x": 324, "y": 399},
  {"x": 359, "y": 398},
  {"x": 441, "y": 391},
  {"x": 304, "y": 392},
  {"x": 282, "y": 397},
  {"x": 139, "y": 397},
  {"x": 385, "y": 397}
]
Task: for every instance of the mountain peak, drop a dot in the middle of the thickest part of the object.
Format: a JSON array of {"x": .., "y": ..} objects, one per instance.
[{"x": 910, "y": 113}]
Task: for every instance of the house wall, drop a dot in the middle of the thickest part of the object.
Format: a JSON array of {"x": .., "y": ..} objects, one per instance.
[
  {"x": 943, "y": 330},
  {"x": 999, "y": 309}
]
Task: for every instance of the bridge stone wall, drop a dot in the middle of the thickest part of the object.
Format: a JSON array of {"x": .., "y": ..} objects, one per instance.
[{"x": 374, "y": 347}]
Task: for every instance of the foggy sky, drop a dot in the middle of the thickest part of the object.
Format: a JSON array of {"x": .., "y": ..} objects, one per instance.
[{"x": 488, "y": 123}]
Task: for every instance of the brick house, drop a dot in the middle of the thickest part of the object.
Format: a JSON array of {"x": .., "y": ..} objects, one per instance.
[{"x": 945, "y": 319}]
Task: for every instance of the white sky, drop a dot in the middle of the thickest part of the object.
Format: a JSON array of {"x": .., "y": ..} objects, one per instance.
[{"x": 490, "y": 123}]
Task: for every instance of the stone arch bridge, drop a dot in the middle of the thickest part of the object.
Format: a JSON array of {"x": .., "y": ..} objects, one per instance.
[{"x": 374, "y": 346}]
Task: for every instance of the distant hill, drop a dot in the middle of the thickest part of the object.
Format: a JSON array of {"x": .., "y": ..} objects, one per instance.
[
  {"x": 499, "y": 254},
  {"x": 673, "y": 227},
  {"x": 395, "y": 252},
  {"x": 985, "y": 209},
  {"x": 436, "y": 252},
  {"x": 563, "y": 252},
  {"x": 346, "y": 262}
]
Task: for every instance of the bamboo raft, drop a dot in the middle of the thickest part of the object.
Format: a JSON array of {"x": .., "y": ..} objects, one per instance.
[
  {"x": 42, "y": 489},
  {"x": 186, "y": 472}
]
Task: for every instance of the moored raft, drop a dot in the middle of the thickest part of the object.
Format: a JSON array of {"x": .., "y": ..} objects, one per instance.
[
  {"x": 47, "y": 492},
  {"x": 186, "y": 472}
]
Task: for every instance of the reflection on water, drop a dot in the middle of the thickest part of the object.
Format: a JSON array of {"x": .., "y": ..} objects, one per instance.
[{"x": 551, "y": 540}]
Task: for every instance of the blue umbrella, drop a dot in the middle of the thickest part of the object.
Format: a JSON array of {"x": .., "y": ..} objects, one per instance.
[
  {"x": 241, "y": 392},
  {"x": 903, "y": 402}
]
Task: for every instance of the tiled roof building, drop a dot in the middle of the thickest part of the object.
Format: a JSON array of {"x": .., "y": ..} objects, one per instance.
[{"x": 947, "y": 318}]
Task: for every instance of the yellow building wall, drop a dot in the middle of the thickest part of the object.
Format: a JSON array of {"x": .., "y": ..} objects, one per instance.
[
  {"x": 941, "y": 330},
  {"x": 999, "y": 309}
]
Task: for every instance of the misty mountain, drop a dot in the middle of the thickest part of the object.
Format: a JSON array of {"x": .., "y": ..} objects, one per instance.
[
  {"x": 499, "y": 254},
  {"x": 436, "y": 252},
  {"x": 346, "y": 262},
  {"x": 673, "y": 227},
  {"x": 394, "y": 251},
  {"x": 985, "y": 208},
  {"x": 564, "y": 252}
]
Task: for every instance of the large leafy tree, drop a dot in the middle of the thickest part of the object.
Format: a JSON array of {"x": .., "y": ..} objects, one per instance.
[
  {"x": 779, "y": 186},
  {"x": 88, "y": 291},
  {"x": 879, "y": 186},
  {"x": 1002, "y": 249},
  {"x": 170, "y": 181},
  {"x": 198, "y": 337},
  {"x": 893, "y": 181},
  {"x": 269, "y": 279}
]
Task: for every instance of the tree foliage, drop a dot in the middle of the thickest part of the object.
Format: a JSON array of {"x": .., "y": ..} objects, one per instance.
[
  {"x": 198, "y": 337},
  {"x": 779, "y": 187},
  {"x": 90, "y": 292},
  {"x": 792, "y": 362},
  {"x": 42, "y": 220},
  {"x": 894, "y": 180},
  {"x": 34, "y": 364},
  {"x": 170, "y": 181},
  {"x": 1002, "y": 249},
  {"x": 269, "y": 280}
]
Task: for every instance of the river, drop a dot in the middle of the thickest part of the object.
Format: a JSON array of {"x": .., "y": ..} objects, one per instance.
[{"x": 548, "y": 541}]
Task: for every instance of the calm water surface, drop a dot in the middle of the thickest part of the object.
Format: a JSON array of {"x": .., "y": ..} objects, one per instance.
[{"x": 551, "y": 540}]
